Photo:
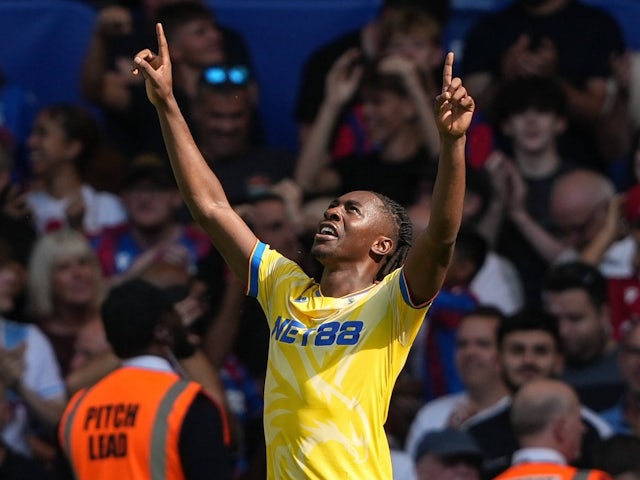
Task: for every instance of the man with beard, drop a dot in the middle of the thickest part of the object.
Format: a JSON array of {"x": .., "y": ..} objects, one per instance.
[{"x": 529, "y": 347}]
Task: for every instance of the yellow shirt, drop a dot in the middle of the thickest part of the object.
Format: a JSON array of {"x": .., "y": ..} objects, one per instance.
[{"x": 331, "y": 370}]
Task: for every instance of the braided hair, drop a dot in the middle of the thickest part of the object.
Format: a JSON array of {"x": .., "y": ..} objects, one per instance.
[{"x": 400, "y": 217}]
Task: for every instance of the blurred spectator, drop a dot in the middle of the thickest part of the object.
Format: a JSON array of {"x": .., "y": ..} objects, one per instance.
[
  {"x": 62, "y": 144},
  {"x": 65, "y": 288},
  {"x": 476, "y": 360},
  {"x": 152, "y": 241},
  {"x": 16, "y": 228},
  {"x": 624, "y": 416},
  {"x": 587, "y": 215},
  {"x": 531, "y": 114},
  {"x": 497, "y": 282},
  {"x": 529, "y": 38},
  {"x": 395, "y": 110},
  {"x": 438, "y": 333},
  {"x": 142, "y": 328},
  {"x": 224, "y": 113},
  {"x": 448, "y": 454},
  {"x": 18, "y": 107},
  {"x": 624, "y": 290},
  {"x": 91, "y": 342},
  {"x": 546, "y": 418},
  {"x": 29, "y": 371},
  {"x": 366, "y": 39},
  {"x": 529, "y": 346},
  {"x": 14, "y": 465},
  {"x": 196, "y": 41},
  {"x": 620, "y": 457},
  {"x": 576, "y": 293}
]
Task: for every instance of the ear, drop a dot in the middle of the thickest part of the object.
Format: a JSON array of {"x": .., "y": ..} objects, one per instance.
[
  {"x": 506, "y": 127},
  {"x": 382, "y": 246},
  {"x": 558, "y": 429},
  {"x": 559, "y": 366},
  {"x": 73, "y": 149},
  {"x": 560, "y": 125},
  {"x": 162, "y": 335}
]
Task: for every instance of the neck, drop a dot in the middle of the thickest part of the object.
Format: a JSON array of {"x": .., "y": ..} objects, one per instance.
[
  {"x": 485, "y": 395},
  {"x": 539, "y": 164},
  {"x": 64, "y": 182},
  {"x": 401, "y": 146},
  {"x": 151, "y": 237},
  {"x": 68, "y": 318},
  {"x": 345, "y": 281}
]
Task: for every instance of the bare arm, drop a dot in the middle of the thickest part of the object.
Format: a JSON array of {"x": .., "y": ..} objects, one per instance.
[
  {"x": 199, "y": 186},
  {"x": 429, "y": 258}
]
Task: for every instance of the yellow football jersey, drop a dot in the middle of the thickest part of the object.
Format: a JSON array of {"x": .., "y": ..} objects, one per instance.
[{"x": 332, "y": 366}]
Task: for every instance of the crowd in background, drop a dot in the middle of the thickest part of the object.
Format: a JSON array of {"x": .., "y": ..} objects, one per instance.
[{"x": 545, "y": 279}]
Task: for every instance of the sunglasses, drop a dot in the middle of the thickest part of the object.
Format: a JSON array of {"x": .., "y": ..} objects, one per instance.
[{"x": 235, "y": 75}]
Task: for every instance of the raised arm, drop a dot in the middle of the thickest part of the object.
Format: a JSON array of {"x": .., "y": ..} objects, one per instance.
[
  {"x": 199, "y": 186},
  {"x": 429, "y": 258}
]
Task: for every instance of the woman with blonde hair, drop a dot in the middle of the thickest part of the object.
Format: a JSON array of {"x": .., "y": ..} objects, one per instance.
[{"x": 65, "y": 288}]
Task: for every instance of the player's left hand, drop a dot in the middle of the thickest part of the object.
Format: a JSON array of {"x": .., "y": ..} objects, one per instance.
[{"x": 454, "y": 106}]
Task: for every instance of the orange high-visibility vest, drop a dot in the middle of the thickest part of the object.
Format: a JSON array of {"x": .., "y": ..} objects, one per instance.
[
  {"x": 127, "y": 426},
  {"x": 550, "y": 471}
]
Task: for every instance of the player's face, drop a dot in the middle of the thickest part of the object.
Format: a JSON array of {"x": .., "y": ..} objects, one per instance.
[
  {"x": 351, "y": 225},
  {"x": 476, "y": 354},
  {"x": 582, "y": 324},
  {"x": 527, "y": 355}
]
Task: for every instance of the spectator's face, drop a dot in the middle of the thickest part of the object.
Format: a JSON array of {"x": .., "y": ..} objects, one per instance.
[
  {"x": 224, "y": 122},
  {"x": 476, "y": 354},
  {"x": 386, "y": 114},
  {"x": 272, "y": 225},
  {"x": 150, "y": 207},
  {"x": 629, "y": 359},
  {"x": 527, "y": 355},
  {"x": 49, "y": 146},
  {"x": 430, "y": 467},
  {"x": 73, "y": 281},
  {"x": 582, "y": 324},
  {"x": 11, "y": 284},
  {"x": 418, "y": 47},
  {"x": 532, "y": 131},
  {"x": 197, "y": 44}
]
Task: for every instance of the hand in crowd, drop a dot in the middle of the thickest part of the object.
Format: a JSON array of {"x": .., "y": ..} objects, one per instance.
[
  {"x": 15, "y": 205},
  {"x": 75, "y": 210},
  {"x": 12, "y": 364},
  {"x": 344, "y": 77},
  {"x": 521, "y": 60}
]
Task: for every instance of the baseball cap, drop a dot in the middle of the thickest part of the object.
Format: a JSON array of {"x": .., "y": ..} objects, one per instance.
[
  {"x": 632, "y": 204},
  {"x": 150, "y": 170},
  {"x": 448, "y": 443}
]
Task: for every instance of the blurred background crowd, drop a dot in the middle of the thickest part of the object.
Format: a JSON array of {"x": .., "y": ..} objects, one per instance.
[{"x": 292, "y": 103}]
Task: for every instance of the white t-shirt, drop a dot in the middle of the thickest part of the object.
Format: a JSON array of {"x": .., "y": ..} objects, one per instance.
[
  {"x": 42, "y": 375},
  {"x": 102, "y": 209}
]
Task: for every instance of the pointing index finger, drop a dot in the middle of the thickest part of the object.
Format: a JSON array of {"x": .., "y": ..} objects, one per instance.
[
  {"x": 447, "y": 72},
  {"x": 163, "y": 48}
]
